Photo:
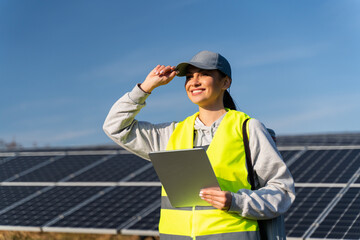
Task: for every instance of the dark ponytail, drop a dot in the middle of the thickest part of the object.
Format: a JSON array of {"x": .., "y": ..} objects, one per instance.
[{"x": 228, "y": 101}]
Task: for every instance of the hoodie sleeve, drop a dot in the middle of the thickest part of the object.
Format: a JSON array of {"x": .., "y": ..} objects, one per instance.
[
  {"x": 138, "y": 137},
  {"x": 275, "y": 185}
]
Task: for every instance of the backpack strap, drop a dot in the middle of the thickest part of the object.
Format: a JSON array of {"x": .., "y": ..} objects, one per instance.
[
  {"x": 262, "y": 226},
  {"x": 248, "y": 155}
]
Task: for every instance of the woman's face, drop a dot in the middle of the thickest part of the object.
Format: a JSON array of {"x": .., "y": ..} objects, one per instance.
[{"x": 205, "y": 87}]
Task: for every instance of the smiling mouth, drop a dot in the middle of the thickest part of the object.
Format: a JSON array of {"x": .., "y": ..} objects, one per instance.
[{"x": 197, "y": 91}]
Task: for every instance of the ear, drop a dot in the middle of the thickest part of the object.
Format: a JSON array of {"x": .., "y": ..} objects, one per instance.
[{"x": 227, "y": 82}]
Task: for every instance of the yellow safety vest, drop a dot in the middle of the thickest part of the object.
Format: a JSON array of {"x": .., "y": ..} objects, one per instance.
[{"x": 227, "y": 156}]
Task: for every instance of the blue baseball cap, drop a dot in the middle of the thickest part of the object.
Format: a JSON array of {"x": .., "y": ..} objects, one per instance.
[{"x": 206, "y": 60}]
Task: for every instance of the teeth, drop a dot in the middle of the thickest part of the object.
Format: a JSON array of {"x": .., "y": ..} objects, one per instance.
[{"x": 197, "y": 91}]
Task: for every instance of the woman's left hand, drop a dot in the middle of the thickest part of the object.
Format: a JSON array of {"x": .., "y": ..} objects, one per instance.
[{"x": 217, "y": 198}]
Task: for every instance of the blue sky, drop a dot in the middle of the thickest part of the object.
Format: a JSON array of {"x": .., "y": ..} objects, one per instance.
[{"x": 296, "y": 64}]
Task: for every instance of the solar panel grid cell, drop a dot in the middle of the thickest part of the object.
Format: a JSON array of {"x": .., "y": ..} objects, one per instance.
[
  {"x": 60, "y": 168},
  {"x": 309, "y": 203},
  {"x": 149, "y": 222},
  {"x": 287, "y": 155},
  {"x": 43, "y": 208},
  {"x": 19, "y": 164},
  {"x": 112, "y": 209},
  {"x": 147, "y": 176},
  {"x": 301, "y": 166},
  {"x": 319, "y": 140},
  {"x": 326, "y": 166},
  {"x": 112, "y": 170},
  {"x": 344, "y": 220},
  {"x": 10, "y": 194}
]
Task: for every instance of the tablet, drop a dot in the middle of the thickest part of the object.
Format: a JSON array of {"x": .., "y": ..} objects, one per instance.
[{"x": 183, "y": 173}]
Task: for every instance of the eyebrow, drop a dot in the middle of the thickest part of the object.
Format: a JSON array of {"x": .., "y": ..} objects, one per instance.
[{"x": 193, "y": 70}]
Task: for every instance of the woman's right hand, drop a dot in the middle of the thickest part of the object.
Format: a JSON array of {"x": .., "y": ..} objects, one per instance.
[{"x": 160, "y": 75}]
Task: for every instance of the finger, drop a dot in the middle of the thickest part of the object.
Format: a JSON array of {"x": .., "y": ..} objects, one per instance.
[
  {"x": 219, "y": 199},
  {"x": 215, "y": 199},
  {"x": 173, "y": 74},
  {"x": 158, "y": 69},
  {"x": 166, "y": 70},
  {"x": 155, "y": 71},
  {"x": 216, "y": 204},
  {"x": 211, "y": 191}
]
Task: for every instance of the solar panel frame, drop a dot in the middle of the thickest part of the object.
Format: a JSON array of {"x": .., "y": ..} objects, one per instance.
[{"x": 340, "y": 164}]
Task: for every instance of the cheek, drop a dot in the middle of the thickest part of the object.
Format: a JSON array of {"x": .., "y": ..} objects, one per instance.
[{"x": 186, "y": 85}]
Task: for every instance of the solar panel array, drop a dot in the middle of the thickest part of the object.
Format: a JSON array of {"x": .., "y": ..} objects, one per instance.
[{"x": 112, "y": 191}]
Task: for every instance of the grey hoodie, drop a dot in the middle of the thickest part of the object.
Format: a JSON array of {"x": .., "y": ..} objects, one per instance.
[{"x": 275, "y": 185}]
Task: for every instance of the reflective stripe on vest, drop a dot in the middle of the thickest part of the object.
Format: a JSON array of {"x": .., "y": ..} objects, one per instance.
[
  {"x": 223, "y": 236},
  {"x": 227, "y": 156}
]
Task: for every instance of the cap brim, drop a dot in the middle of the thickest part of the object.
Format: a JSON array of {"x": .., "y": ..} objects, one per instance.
[{"x": 182, "y": 67}]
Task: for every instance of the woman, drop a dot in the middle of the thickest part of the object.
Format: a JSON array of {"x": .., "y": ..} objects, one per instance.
[{"x": 234, "y": 211}]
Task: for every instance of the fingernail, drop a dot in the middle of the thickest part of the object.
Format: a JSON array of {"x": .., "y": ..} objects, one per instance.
[{"x": 161, "y": 71}]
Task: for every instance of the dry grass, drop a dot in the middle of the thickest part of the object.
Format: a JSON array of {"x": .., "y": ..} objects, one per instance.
[{"x": 14, "y": 235}]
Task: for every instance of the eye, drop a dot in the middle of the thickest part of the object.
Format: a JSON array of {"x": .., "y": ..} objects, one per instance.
[{"x": 205, "y": 73}]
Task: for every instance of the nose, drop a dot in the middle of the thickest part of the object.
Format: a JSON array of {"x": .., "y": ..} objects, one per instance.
[{"x": 195, "y": 80}]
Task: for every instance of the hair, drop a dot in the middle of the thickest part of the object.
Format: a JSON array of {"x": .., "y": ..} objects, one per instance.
[{"x": 227, "y": 100}]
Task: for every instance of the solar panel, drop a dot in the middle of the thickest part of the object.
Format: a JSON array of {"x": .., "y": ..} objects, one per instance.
[
  {"x": 148, "y": 222},
  {"x": 326, "y": 166},
  {"x": 343, "y": 222},
  {"x": 288, "y": 154},
  {"x": 46, "y": 206},
  {"x": 320, "y": 140},
  {"x": 112, "y": 170},
  {"x": 309, "y": 203},
  {"x": 12, "y": 194},
  {"x": 20, "y": 164},
  {"x": 147, "y": 176},
  {"x": 2, "y": 158},
  {"x": 60, "y": 168},
  {"x": 103, "y": 189},
  {"x": 113, "y": 209}
]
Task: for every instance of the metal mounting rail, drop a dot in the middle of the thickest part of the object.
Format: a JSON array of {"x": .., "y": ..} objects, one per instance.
[{"x": 81, "y": 184}]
